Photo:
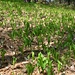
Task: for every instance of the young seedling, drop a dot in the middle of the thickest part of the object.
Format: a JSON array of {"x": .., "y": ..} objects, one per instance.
[
  {"x": 27, "y": 41},
  {"x": 14, "y": 60},
  {"x": 55, "y": 55},
  {"x": 59, "y": 65},
  {"x": 13, "y": 34},
  {"x": 30, "y": 68},
  {"x": 37, "y": 31},
  {"x": 50, "y": 68},
  {"x": 26, "y": 28},
  {"x": 20, "y": 33},
  {"x": 21, "y": 50},
  {"x": 2, "y": 51},
  {"x": 33, "y": 55},
  {"x": 40, "y": 41},
  {"x": 42, "y": 62}
]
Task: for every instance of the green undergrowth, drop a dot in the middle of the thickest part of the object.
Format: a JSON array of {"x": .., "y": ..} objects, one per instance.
[{"x": 52, "y": 29}]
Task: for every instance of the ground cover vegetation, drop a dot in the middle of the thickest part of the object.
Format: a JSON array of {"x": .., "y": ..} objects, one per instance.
[{"x": 36, "y": 39}]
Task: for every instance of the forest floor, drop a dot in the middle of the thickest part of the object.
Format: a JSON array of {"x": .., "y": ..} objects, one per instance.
[
  {"x": 16, "y": 13},
  {"x": 7, "y": 68}
]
